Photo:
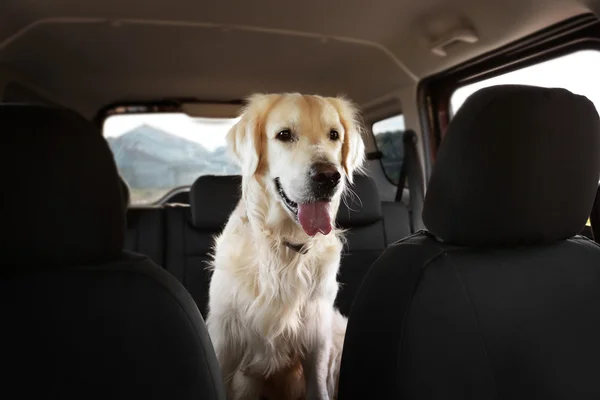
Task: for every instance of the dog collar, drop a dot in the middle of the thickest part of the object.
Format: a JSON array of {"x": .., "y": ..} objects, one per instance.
[{"x": 298, "y": 248}]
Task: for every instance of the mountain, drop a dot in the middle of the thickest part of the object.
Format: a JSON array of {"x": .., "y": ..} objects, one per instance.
[{"x": 151, "y": 158}]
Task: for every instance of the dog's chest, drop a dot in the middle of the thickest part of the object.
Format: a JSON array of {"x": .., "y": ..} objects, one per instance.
[
  {"x": 284, "y": 304},
  {"x": 282, "y": 334},
  {"x": 281, "y": 306},
  {"x": 284, "y": 301}
]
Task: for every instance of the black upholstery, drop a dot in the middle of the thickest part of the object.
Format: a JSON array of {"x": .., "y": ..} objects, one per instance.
[
  {"x": 412, "y": 174},
  {"x": 494, "y": 301},
  {"x": 396, "y": 220},
  {"x": 190, "y": 232},
  {"x": 145, "y": 229},
  {"x": 210, "y": 213},
  {"x": 595, "y": 217},
  {"x": 360, "y": 205},
  {"x": 361, "y": 214},
  {"x": 146, "y": 232},
  {"x": 182, "y": 197},
  {"x": 187, "y": 252},
  {"x": 81, "y": 317}
]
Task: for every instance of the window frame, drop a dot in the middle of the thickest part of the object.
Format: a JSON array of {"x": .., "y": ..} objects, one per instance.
[
  {"x": 136, "y": 107},
  {"x": 155, "y": 106},
  {"x": 149, "y": 107},
  {"x": 434, "y": 93},
  {"x": 378, "y": 150}
]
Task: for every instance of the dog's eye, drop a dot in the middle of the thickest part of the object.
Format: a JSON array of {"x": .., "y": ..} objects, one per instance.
[
  {"x": 334, "y": 135},
  {"x": 285, "y": 135}
]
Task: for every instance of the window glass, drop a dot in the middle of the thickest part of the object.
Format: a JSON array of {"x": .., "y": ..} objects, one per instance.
[
  {"x": 577, "y": 72},
  {"x": 388, "y": 136},
  {"x": 158, "y": 152}
]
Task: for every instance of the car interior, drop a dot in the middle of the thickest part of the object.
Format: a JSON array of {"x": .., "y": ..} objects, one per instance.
[{"x": 472, "y": 262}]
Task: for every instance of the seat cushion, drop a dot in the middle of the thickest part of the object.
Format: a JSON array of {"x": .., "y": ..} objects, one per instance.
[
  {"x": 439, "y": 321},
  {"x": 124, "y": 330},
  {"x": 361, "y": 214},
  {"x": 188, "y": 252},
  {"x": 396, "y": 219},
  {"x": 146, "y": 232}
]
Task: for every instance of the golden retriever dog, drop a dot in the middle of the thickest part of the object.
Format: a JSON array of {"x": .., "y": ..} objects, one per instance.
[{"x": 271, "y": 317}]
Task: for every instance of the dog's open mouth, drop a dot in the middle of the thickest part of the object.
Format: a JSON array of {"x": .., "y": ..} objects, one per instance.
[
  {"x": 314, "y": 216},
  {"x": 292, "y": 206}
]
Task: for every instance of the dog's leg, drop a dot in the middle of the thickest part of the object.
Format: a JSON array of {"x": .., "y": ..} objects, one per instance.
[
  {"x": 332, "y": 374},
  {"x": 229, "y": 351},
  {"x": 316, "y": 366},
  {"x": 339, "y": 331},
  {"x": 316, "y": 362}
]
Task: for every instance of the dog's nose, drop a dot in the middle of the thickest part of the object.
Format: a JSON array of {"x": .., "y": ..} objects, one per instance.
[{"x": 325, "y": 175}]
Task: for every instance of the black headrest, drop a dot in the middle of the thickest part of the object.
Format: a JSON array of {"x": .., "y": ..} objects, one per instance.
[
  {"x": 361, "y": 206},
  {"x": 518, "y": 165},
  {"x": 178, "y": 198},
  {"x": 212, "y": 200},
  {"x": 62, "y": 202}
]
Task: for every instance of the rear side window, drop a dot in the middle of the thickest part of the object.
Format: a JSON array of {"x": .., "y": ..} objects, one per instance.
[
  {"x": 388, "y": 136},
  {"x": 577, "y": 72},
  {"x": 158, "y": 152}
]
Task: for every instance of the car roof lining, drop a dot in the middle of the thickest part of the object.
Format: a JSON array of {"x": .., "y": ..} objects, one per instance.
[{"x": 93, "y": 54}]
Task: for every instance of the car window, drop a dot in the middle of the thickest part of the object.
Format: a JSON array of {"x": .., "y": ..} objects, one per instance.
[
  {"x": 576, "y": 72},
  {"x": 158, "y": 152},
  {"x": 388, "y": 134}
]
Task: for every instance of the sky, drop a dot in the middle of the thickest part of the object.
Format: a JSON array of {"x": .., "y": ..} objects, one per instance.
[
  {"x": 395, "y": 123},
  {"x": 578, "y": 72}
]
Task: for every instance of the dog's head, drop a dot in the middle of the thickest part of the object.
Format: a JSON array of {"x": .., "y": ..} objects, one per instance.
[{"x": 305, "y": 148}]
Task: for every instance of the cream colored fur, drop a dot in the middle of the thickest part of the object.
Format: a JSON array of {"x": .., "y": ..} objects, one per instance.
[{"x": 270, "y": 307}]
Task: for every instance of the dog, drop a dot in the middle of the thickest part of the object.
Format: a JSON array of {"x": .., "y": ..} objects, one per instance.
[{"x": 271, "y": 316}]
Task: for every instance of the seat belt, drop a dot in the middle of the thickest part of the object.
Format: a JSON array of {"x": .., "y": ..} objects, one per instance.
[
  {"x": 402, "y": 179},
  {"x": 411, "y": 173}
]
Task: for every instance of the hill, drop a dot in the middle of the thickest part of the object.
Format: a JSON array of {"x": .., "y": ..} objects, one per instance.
[{"x": 152, "y": 158}]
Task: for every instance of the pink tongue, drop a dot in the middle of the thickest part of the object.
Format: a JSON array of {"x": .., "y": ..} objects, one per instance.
[{"x": 314, "y": 217}]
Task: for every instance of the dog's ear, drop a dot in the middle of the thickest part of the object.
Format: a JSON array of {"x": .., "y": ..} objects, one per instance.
[
  {"x": 353, "y": 147},
  {"x": 245, "y": 139},
  {"x": 244, "y": 145}
]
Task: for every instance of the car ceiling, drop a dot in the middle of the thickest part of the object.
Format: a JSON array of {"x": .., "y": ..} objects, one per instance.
[{"x": 87, "y": 55}]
